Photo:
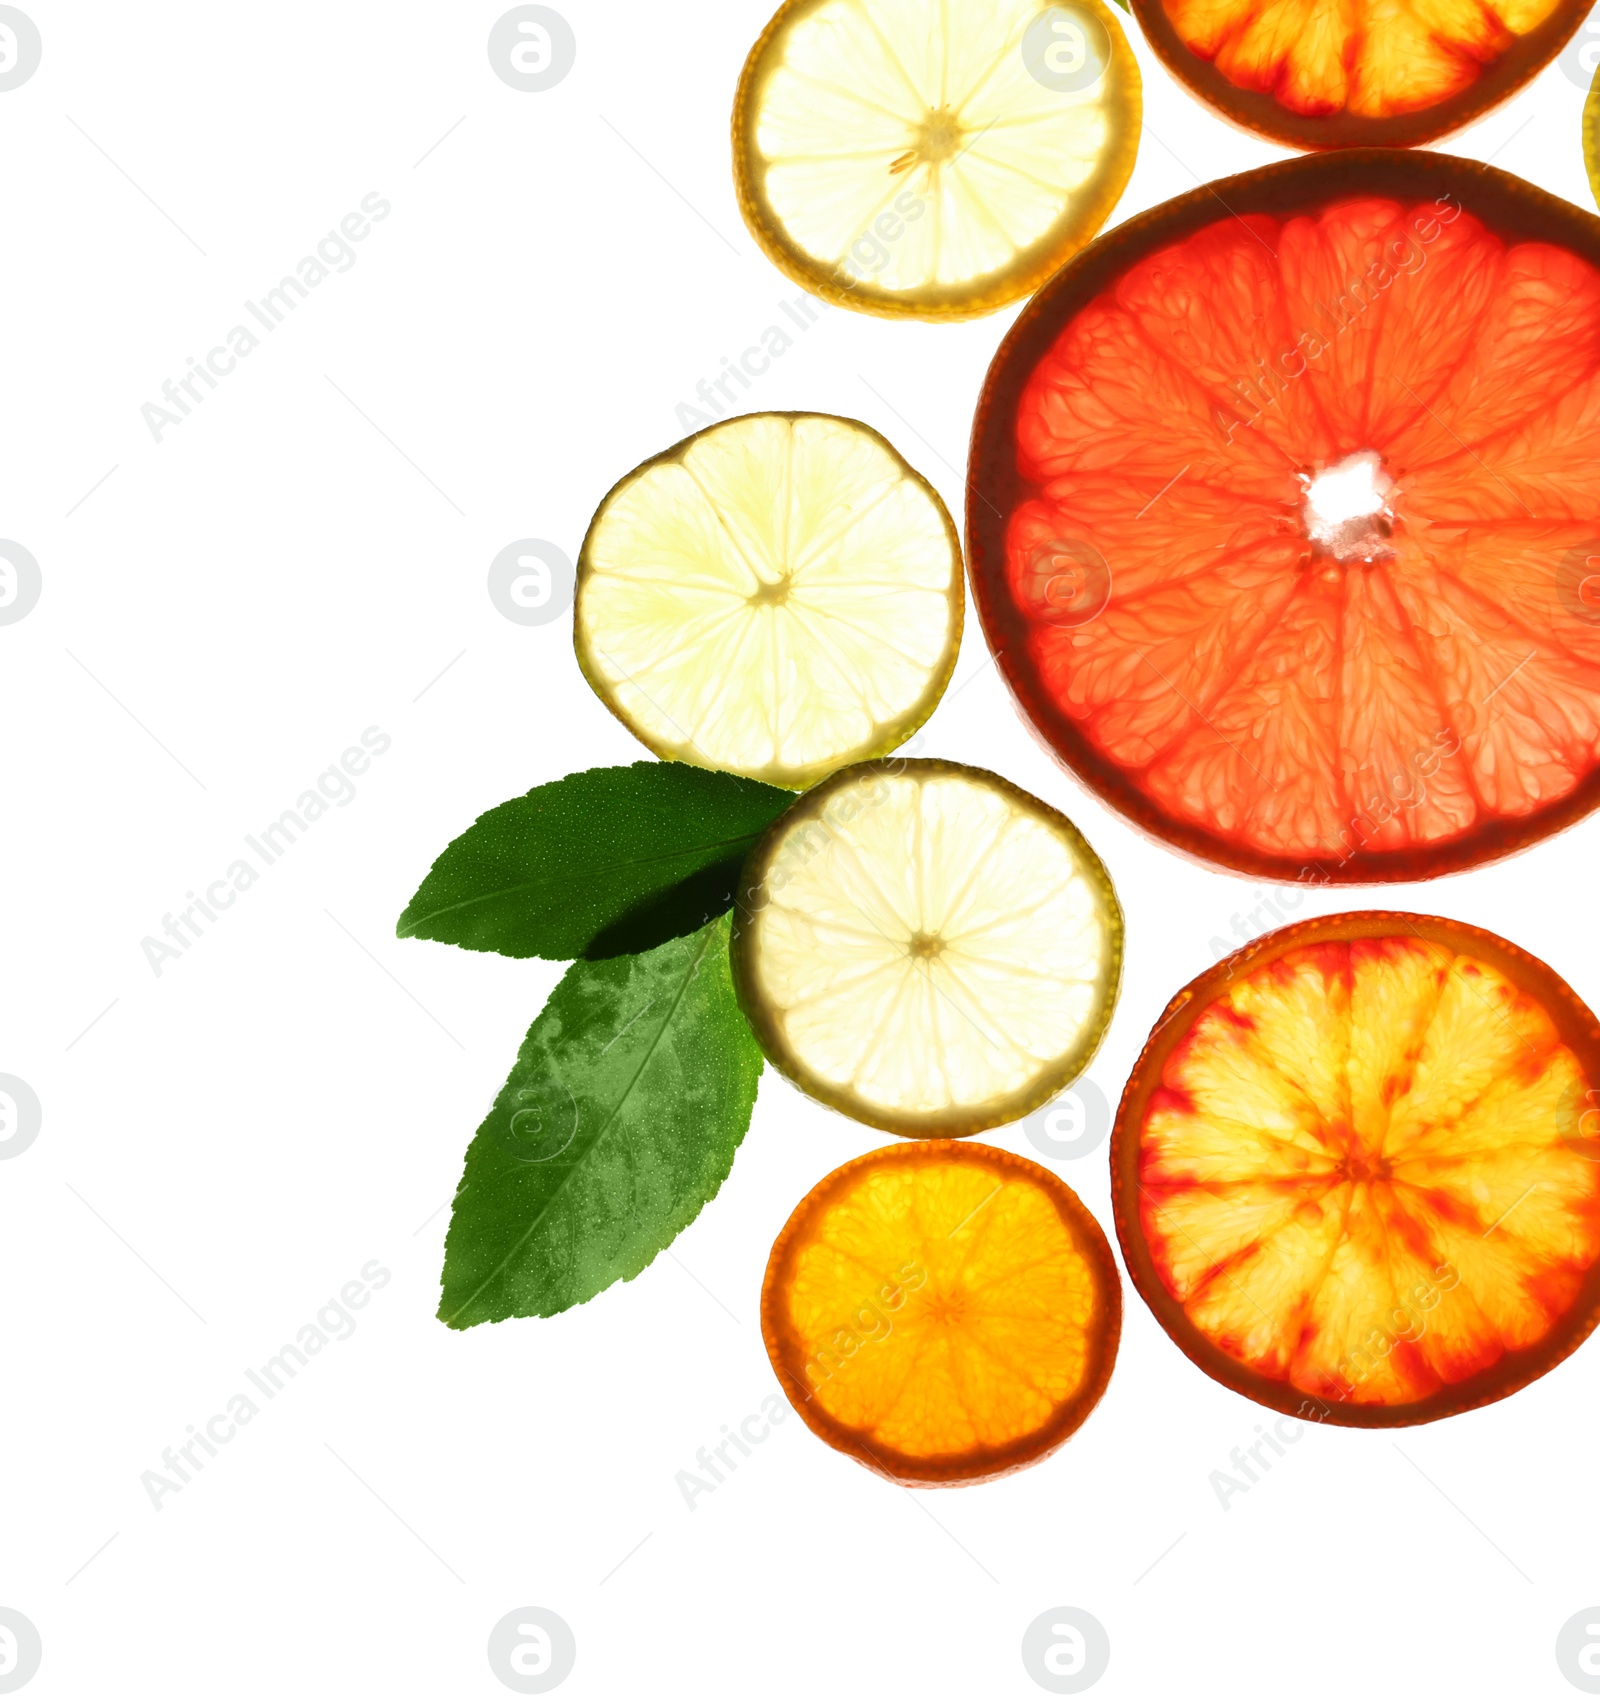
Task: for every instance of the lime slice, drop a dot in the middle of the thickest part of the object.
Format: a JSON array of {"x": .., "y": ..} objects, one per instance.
[
  {"x": 777, "y": 596},
  {"x": 927, "y": 948},
  {"x": 933, "y": 158}
]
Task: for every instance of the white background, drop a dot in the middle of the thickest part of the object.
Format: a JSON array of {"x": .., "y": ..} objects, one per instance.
[{"x": 220, "y": 618}]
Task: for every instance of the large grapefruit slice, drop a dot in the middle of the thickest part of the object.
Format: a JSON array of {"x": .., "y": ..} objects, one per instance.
[
  {"x": 1364, "y": 73},
  {"x": 1284, "y": 517},
  {"x": 1355, "y": 1173}
]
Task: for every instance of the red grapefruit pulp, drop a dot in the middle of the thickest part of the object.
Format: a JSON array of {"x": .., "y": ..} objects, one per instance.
[{"x": 1284, "y": 517}]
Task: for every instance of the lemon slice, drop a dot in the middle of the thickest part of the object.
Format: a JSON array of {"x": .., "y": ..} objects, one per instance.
[
  {"x": 927, "y": 948},
  {"x": 933, "y": 159},
  {"x": 777, "y": 596}
]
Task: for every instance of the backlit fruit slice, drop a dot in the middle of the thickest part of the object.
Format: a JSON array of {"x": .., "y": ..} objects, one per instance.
[
  {"x": 927, "y": 948},
  {"x": 943, "y": 1313},
  {"x": 933, "y": 159},
  {"x": 1591, "y": 137},
  {"x": 775, "y": 596},
  {"x": 1285, "y": 518},
  {"x": 1354, "y": 1171},
  {"x": 1364, "y": 73}
]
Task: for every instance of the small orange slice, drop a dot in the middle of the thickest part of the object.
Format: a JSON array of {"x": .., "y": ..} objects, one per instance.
[
  {"x": 943, "y": 1312},
  {"x": 1354, "y": 1172}
]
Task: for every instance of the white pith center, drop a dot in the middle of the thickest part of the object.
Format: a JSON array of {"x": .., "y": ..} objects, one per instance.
[{"x": 1347, "y": 508}]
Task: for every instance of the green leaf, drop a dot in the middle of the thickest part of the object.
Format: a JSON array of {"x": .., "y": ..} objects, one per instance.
[
  {"x": 598, "y": 864},
  {"x": 629, "y": 1097}
]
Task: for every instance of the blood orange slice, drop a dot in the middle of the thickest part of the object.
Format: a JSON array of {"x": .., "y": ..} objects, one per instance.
[
  {"x": 1365, "y": 73},
  {"x": 1285, "y": 517},
  {"x": 1353, "y": 1170},
  {"x": 942, "y": 1312}
]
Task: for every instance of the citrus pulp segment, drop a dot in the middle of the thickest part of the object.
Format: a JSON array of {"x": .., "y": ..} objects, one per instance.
[
  {"x": 1365, "y": 73},
  {"x": 942, "y": 1312},
  {"x": 933, "y": 158},
  {"x": 927, "y": 948},
  {"x": 1355, "y": 1173},
  {"x": 776, "y": 596},
  {"x": 1285, "y": 521}
]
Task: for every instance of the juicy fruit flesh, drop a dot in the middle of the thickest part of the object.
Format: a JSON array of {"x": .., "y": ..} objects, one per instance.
[
  {"x": 1249, "y": 681},
  {"x": 910, "y": 148},
  {"x": 930, "y": 945},
  {"x": 942, "y": 1306},
  {"x": 780, "y": 600},
  {"x": 1372, "y": 58},
  {"x": 1361, "y": 1175}
]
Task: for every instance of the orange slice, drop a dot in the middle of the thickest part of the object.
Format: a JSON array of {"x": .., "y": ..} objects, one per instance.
[
  {"x": 942, "y": 1312},
  {"x": 1361, "y": 73},
  {"x": 1354, "y": 1171},
  {"x": 1285, "y": 520}
]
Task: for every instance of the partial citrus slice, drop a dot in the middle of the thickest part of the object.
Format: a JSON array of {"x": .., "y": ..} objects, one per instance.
[
  {"x": 1354, "y": 1171},
  {"x": 1591, "y": 136},
  {"x": 927, "y": 948},
  {"x": 1365, "y": 73},
  {"x": 775, "y": 596},
  {"x": 1285, "y": 518},
  {"x": 944, "y": 1313},
  {"x": 933, "y": 159}
]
